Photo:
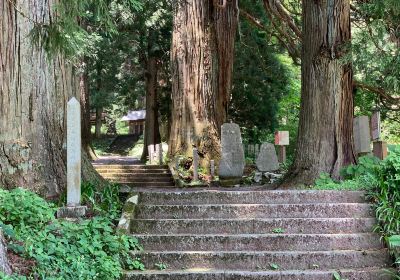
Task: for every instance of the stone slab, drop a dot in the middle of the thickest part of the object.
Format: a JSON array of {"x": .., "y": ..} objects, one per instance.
[
  {"x": 128, "y": 213},
  {"x": 71, "y": 212},
  {"x": 232, "y": 157},
  {"x": 376, "y": 125},
  {"x": 267, "y": 159},
  {"x": 362, "y": 137}
]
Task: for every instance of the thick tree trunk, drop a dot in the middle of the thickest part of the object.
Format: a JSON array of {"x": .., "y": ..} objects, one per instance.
[
  {"x": 85, "y": 109},
  {"x": 325, "y": 129},
  {"x": 201, "y": 59},
  {"x": 226, "y": 23},
  {"x": 99, "y": 122},
  {"x": 152, "y": 130},
  {"x": 4, "y": 265},
  {"x": 33, "y": 96}
]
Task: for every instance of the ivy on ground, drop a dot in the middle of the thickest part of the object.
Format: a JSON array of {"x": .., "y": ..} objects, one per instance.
[{"x": 88, "y": 249}]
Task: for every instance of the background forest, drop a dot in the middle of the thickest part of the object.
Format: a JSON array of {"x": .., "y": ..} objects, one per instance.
[{"x": 266, "y": 75}]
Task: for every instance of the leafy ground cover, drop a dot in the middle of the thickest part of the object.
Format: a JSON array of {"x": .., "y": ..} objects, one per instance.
[{"x": 61, "y": 249}]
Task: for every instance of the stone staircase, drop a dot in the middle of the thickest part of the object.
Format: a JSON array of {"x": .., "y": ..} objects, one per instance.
[
  {"x": 134, "y": 175},
  {"x": 274, "y": 235}
]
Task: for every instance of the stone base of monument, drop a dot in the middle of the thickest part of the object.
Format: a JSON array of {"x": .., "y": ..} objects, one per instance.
[
  {"x": 230, "y": 182},
  {"x": 380, "y": 149},
  {"x": 71, "y": 212}
]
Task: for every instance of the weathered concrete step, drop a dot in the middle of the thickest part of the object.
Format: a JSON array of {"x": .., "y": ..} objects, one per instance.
[
  {"x": 134, "y": 171},
  {"x": 129, "y": 187},
  {"x": 372, "y": 273},
  {"x": 183, "y": 197},
  {"x": 129, "y": 167},
  {"x": 243, "y": 226},
  {"x": 137, "y": 175},
  {"x": 139, "y": 179},
  {"x": 220, "y": 211},
  {"x": 251, "y": 260},
  {"x": 149, "y": 184},
  {"x": 261, "y": 242}
]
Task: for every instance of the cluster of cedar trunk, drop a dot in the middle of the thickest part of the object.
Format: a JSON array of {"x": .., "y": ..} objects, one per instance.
[{"x": 34, "y": 91}]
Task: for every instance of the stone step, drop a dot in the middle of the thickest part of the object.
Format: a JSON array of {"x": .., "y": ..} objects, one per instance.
[
  {"x": 373, "y": 273},
  {"x": 182, "y": 197},
  {"x": 129, "y": 167},
  {"x": 261, "y": 242},
  {"x": 248, "y": 226},
  {"x": 137, "y": 175},
  {"x": 251, "y": 260},
  {"x": 230, "y": 211},
  {"x": 135, "y": 179},
  {"x": 134, "y": 171},
  {"x": 138, "y": 184}
]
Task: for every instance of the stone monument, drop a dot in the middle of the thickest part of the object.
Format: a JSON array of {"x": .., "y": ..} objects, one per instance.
[
  {"x": 267, "y": 159},
  {"x": 195, "y": 165},
  {"x": 362, "y": 137},
  {"x": 232, "y": 162},
  {"x": 73, "y": 208}
]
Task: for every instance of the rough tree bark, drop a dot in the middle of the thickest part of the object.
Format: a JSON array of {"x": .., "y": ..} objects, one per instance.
[
  {"x": 151, "y": 131},
  {"x": 34, "y": 91},
  {"x": 4, "y": 265},
  {"x": 85, "y": 109},
  {"x": 326, "y": 119},
  {"x": 99, "y": 122},
  {"x": 201, "y": 61}
]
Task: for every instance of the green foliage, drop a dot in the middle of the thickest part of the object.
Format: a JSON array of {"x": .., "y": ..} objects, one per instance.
[
  {"x": 23, "y": 210},
  {"x": 362, "y": 176},
  {"x": 67, "y": 33},
  {"x": 87, "y": 249},
  {"x": 161, "y": 266},
  {"x": 366, "y": 165},
  {"x": 105, "y": 202},
  {"x": 278, "y": 230},
  {"x": 376, "y": 54},
  {"x": 274, "y": 266},
  {"x": 387, "y": 195},
  {"x": 263, "y": 77},
  {"x": 325, "y": 182}
]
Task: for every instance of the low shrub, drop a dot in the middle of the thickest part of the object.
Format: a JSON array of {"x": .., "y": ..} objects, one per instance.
[{"x": 88, "y": 249}]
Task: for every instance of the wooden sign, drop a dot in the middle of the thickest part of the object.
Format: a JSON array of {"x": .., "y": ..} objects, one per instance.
[{"x": 282, "y": 138}]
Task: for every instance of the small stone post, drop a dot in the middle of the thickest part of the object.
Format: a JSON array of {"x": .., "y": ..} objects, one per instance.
[
  {"x": 73, "y": 209},
  {"x": 160, "y": 153},
  {"x": 150, "y": 149},
  {"x": 212, "y": 169},
  {"x": 195, "y": 165}
]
